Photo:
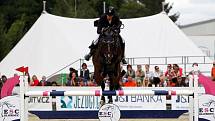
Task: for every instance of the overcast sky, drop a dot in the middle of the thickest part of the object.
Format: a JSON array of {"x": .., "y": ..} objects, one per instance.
[{"x": 192, "y": 11}]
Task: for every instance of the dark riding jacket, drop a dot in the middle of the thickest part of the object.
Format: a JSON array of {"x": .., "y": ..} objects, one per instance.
[{"x": 103, "y": 23}]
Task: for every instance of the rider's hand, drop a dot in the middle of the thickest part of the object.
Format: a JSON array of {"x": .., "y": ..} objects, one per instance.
[
  {"x": 103, "y": 30},
  {"x": 116, "y": 31}
]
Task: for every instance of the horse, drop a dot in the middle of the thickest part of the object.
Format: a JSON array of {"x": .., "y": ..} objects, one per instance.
[{"x": 106, "y": 61}]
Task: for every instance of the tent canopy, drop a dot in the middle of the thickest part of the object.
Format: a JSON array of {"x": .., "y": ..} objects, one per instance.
[{"x": 54, "y": 42}]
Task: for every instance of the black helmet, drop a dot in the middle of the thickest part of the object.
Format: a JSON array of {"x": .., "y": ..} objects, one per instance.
[{"x": 110, "y": 11}]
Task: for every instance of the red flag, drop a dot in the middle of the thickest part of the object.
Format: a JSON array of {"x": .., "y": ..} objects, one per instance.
[
  {"x": 208, "y": 84},
  {"x": 26, "y": 69},
  {"x": 21, "y": 69}
]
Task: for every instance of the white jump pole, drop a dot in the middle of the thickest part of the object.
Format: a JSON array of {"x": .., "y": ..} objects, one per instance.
[
  {"x": 191, "y": 101},
  {"x": 23, "y": 101},
  {"x": 196, "y": 98}
]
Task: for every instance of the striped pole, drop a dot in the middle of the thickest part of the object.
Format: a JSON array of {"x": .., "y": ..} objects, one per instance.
[{"x": 109, "y": 93}]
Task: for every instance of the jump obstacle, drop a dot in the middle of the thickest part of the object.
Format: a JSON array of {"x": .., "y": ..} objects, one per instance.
[{"x": 192, "y": 92}]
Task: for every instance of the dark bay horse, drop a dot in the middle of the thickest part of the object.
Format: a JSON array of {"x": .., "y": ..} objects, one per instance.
[{"x": 106, "y": 61}]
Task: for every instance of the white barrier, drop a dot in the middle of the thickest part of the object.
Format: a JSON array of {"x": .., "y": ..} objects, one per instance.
[{"x": 192, "y": 92}]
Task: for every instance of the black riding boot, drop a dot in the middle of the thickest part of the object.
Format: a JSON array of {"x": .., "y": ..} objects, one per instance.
[{"x": 123, "y": 51}]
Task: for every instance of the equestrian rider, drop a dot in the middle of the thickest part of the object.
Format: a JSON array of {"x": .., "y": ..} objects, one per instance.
[{"x": 109, "y": 19}]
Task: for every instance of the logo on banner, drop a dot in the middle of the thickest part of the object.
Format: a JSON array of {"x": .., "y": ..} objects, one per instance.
[
  {"x": 206, "y": 107},
  {"x": 9, "y": 108},
  {"x": 109, "y": 112}
]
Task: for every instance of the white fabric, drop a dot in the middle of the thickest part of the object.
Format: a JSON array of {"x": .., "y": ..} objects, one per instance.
[{"x": 54, "y": 42}]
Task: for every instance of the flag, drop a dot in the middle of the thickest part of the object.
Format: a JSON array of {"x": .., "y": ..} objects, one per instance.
[
  {"x": 26, "y": 70},
  {"x": 208, "y": 84},
  {"x": 22, "y": 69},
  {"x": 8, "y": 86}
]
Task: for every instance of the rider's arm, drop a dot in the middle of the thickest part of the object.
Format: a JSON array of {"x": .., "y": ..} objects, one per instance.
[
  {"x": 100, "y": 25},
  {"x": 118, "y": 23},
  {"x": 99, "y": 29}
]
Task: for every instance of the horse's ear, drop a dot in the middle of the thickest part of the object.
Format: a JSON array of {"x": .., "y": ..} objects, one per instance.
[{"x": 96, "y": 22}]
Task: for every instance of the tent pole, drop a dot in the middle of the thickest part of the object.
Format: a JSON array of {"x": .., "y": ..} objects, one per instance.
[
  {"x": 44, "y": 6},
  {"x": 104, "y": 6}
]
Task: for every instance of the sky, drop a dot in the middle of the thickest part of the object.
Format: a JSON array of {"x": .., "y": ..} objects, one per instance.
[{"x": 192, "y": 11}]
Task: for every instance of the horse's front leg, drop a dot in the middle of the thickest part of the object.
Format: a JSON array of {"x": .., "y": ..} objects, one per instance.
[
  {"x": 111, "y": 88},
  {"x": 102, "y": 102}
]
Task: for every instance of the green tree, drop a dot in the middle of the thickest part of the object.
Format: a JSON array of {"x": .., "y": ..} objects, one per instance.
[{"x": 132, "y": 9}]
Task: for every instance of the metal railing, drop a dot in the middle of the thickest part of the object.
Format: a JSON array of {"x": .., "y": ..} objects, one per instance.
[{"x": 184, "y": 62}]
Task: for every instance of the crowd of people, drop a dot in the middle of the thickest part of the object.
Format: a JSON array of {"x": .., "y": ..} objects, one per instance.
[{"x": 142, "y": 76}]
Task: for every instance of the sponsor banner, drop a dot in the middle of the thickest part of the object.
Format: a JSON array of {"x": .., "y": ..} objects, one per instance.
[
  {"x": 9, "y": 108},
  {"x": 77, "y": 102},
  {"x": 40, "y": 103},
  {"x": 180, "y": 102},
  {"x": 124, "y": 102},
  {"x": 206, "y": 107},
  {"x": 141, "y": 102}
]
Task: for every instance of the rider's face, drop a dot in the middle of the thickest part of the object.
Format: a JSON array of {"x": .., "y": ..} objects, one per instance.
[{"x": 109, "y": 17}]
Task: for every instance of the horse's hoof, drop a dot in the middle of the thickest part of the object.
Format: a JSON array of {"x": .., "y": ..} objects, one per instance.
[{"x": 110, "y": 102}]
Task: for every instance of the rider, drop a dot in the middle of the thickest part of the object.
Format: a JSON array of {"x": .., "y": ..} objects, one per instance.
[{"x": 109, "y": 19}]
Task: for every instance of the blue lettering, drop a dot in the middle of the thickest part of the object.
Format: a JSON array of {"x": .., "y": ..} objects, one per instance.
[{"x": 182, "y": 99}]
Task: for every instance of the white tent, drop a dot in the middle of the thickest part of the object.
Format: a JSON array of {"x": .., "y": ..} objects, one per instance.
[{"x": 54, "y": 42}]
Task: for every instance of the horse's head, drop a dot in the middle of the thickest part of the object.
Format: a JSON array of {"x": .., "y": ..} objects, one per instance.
[{"x": 108, "y": 48}]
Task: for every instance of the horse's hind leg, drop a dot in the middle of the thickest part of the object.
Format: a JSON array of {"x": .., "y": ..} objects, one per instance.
[{"x": 102, "y": 102}]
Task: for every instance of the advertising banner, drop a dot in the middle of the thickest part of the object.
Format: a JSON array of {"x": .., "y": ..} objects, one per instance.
[
  {"x": 40, "y": 103},
  {"x": 124, "y": 102},
  {"x": 180, "y": 102}
]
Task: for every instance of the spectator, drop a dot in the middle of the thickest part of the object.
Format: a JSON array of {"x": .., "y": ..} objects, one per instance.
[
  {"x": 54, "y": 83},
  {"x": 3, "y": 79},
  {"x": 90, "y": 83},
  {"x": 130, "y": 72},
  {"x": 139, "y": 75},
  {"x": 177, "y": 70},
  {"x": 148, "y": 73},
  {"x": 157, "y": 76},
  {"x": 43, "y": 82},
  {"x": 35, "y": 81},
  {"x": 73, "y": 81},
  {"x": 176, "y": 73},
  {"x": 195, "y": 69},
  {"x": 213, "y": 72},
  {"x": 180, "y": 82},
  {"x": 146, "y": 82},
  {"x": 169, "y": 72},
  {"x": 122, "y": 75},
  {"x": 130, "y": 82},
  {"x": 168, "y": 75},
  {"x": 84, "y": 74},
  {"x": 71, "y": 70},
  {"x": 29, "y": 77}
]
